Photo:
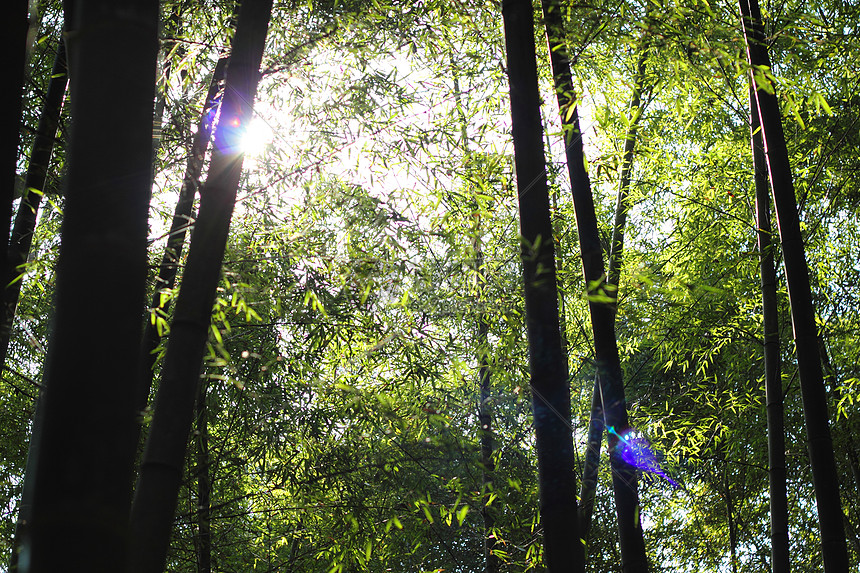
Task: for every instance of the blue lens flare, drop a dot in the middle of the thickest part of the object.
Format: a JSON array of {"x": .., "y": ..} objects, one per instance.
[
  {"x": 231, "y": 131},
  {"x": 636, "y": 451}
]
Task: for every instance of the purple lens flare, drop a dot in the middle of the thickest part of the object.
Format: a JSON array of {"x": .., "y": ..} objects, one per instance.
[{"x": 635, "y": 450}]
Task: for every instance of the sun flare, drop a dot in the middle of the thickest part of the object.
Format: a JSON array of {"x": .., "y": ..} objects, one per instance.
[{"x": 258, "y": 135}]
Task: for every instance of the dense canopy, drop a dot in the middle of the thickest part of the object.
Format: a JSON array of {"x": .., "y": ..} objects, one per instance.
[{"x": 366, "y": 400}]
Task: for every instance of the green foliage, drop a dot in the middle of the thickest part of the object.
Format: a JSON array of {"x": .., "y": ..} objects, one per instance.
[{"x": 342, "y": 401}]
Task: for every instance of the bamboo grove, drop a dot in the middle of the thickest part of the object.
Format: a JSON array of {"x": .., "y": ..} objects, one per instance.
[{"x": 431, "y": 286}]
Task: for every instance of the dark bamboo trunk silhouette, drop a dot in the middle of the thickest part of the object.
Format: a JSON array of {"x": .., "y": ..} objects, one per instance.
[
  {"x": 559, "y": 246},
  {"x": 161, "y": 469},
  {"x": 772, "y": 368},
  {"x": 485, "y": 417},
  {"x": 820, "y": 444},
  {"x": 591, "y": 463},
  {"x": 848, "y": 427},
  {"x": 622, "y": 205},
  {"x": 83, "y": 468},
  {"x": 19, "y": 249},
  {"x": 171, "y": 29},
  {"x": 547, "y": 363},
  {"x": 624, "y": 479},
  {"x": 182, "y": 221},
  {"x": 183, "y": 218},
  {"x": 204, "y": 485},
  {"x": 25, "y": 508},
  {"x": 594, "y": 435},
  {"x": 854, "y": 465},
  {"x": 34, "y": 188},
  {"x": 14, "y": 69},
  {"x": 485, "y": 414},
  {"x": 730, "y": 518}
]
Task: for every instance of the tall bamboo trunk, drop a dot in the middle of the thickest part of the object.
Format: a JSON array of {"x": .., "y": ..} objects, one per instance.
[
  {"x": 34, "y": 188},
  {"x": 161, "y": 469},
  {"x": 171, "y": 29},
  {"x": 594, "y": 435},
  {"x": 204, "y": 485},
  {"x": 622, "y": 205},
  {"x": 485, "y": 415},
  {"x": 19, "y": 249},
  {"x": 485, "y": 418},
  {"x": 772, "y": 368},
  {"x": 14, "y": 69},
  {"x": 624, "y": 479},
  {"x": 83, "y": 468},
  {"x": 593, "y": 440},
  {"x": 820, "y": 444},
  {"x": 182, "y": 221},
  {"x": 730, "y": 517},
  {"x": 849, "y": 428},
  {"x": 550, "y": 390}
]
